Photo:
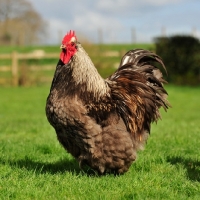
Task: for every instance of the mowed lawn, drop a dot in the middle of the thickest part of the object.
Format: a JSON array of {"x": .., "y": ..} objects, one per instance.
[{"x": 33, "y": 165}]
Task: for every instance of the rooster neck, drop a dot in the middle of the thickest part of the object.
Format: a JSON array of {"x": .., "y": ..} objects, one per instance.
[{"x": 86, "y": 75}]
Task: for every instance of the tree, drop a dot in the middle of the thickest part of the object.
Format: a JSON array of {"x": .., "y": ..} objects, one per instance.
[
  {"x": 20, "y": 24},
  {"x": 181, "y": 55}
]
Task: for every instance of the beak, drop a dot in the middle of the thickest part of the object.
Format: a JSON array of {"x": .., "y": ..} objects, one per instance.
[{"x": 62, "y": 46}]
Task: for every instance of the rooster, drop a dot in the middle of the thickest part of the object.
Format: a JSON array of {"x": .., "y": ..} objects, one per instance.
[{"x": 104, "y": 122}]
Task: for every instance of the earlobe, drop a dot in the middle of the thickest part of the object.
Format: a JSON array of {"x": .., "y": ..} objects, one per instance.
[{"x": 73, "y": 40}]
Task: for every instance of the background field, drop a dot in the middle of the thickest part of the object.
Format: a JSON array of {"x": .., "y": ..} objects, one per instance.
[
  {"x": 105, "y": 57},
  {"x": 33, "y": 165}
]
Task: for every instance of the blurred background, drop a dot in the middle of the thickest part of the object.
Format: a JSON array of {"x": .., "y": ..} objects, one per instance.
[{"x": 32, "y": 30}]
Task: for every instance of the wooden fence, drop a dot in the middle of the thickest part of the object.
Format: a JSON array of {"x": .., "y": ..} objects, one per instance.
[{"x": 15, "y": 57}]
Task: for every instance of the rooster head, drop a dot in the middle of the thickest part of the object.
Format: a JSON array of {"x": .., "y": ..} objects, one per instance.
[{"x": 68, "y": 47}]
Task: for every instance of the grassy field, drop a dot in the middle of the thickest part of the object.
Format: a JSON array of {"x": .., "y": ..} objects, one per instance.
[
  {"x": 33, "y": 165},
  {"x": 96, "y": 47}
]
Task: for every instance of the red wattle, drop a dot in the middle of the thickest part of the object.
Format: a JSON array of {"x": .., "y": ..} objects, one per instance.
[{"x": 65, "y": 56}]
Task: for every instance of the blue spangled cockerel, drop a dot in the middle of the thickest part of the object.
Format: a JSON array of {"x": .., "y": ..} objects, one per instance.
[{"x": 103, "y": 122}]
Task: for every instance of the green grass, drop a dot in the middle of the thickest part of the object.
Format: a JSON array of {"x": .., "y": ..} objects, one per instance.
[{"x": 33, "y": 165}]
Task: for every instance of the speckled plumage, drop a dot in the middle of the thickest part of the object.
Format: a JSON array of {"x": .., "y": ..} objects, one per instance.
[{"x": 103, "y": 123}]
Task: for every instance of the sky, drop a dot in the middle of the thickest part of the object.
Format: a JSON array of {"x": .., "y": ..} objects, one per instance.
[{"x": 119, "y": 21}]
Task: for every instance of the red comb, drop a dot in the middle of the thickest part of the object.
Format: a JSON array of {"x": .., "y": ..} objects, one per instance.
[{"x": 69, "y": 36}]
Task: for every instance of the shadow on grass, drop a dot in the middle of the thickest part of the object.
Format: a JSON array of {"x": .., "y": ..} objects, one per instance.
[
  {"x": 58, "y": 167},
  {"x": 192, "y": 166}
]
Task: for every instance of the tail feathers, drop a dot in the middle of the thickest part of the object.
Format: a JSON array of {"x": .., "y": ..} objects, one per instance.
[
  {"x": 143, "y": 62},
  {"x": 137, "y": 88},
  {"x": 139, "y": 57}
]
